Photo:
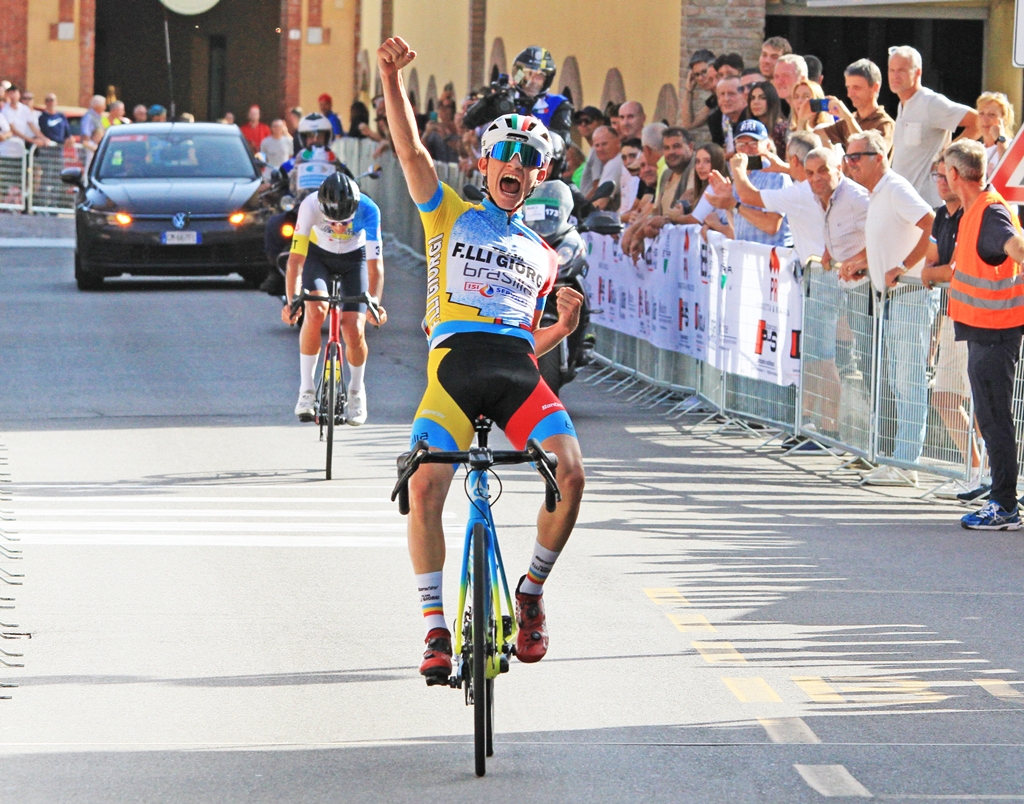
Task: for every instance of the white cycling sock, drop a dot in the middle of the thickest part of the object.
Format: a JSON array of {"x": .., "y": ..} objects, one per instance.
[
  {"x": 307, "y": 372},
  {"x": 540, "y": 567},
  {"x": 428, "y": 587},
  {"x": 355, "y": 383}
]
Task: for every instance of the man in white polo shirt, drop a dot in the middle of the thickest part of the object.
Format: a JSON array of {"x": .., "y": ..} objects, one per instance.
[
  {"x": 897, "y": 231},
  {"x": 924, "y": 123}
]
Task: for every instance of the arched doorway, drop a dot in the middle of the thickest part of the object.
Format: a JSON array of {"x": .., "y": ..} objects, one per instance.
[
  {"x": 614, "y": 90},
  {"x": 668, "y": 105},
  {"x": 412, "y": 85},
  {"x": 497, "y": 64},
  {"x": 431, "y": 97},
  {"x": 568, "y": 81}
]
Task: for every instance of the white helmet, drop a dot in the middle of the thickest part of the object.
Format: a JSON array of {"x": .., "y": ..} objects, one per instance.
[
  {"x": 314, "y": 124},
  {"x": 521, "y": 128}
]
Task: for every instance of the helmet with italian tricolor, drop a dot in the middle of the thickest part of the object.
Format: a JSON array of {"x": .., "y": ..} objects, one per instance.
[{"x": 520, "y": 134}]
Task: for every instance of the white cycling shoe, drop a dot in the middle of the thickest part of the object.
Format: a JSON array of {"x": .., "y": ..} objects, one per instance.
[
  {"x": 355, "y": 414},
  {"x": 305, "y": 408}
]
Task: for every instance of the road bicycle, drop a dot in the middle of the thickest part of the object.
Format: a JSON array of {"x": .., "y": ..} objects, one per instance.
[
  {"x": 331, "y": 391},
  {"x": 485, "y": 641}
]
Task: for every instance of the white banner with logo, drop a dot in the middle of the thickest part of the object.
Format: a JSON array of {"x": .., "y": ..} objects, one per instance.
[{"x": 735, "y": 304}]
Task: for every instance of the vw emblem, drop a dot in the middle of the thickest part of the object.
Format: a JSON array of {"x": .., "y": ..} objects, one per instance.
[{"x": 180, "y": 220}]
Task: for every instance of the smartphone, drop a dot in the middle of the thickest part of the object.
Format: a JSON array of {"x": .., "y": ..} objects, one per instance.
[
  {"x": 819, "y": 105},
  {"x": 755, "y": 163}
]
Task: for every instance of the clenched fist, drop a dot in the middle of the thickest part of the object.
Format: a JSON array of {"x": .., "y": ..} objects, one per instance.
[{"x": 394, "y": 55}]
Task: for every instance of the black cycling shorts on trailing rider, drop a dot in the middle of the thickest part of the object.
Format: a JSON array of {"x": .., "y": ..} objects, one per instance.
[{"x": 350, "y": 267}]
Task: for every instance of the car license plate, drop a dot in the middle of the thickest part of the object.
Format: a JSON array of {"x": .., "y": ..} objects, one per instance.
[{"x": 180, "y": 238}]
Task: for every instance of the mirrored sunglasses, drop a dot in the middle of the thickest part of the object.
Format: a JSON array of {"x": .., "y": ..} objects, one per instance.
[{"x": 504, "y": 151}]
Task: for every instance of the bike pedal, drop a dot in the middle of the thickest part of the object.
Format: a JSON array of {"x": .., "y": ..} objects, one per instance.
[
  {"x": 437, "y": 679},
  {"x": 503, "y": 664}
]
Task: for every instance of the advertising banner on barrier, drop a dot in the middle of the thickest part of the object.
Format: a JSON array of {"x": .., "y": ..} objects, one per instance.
[
  {"x": 757, "y": 302},
  {"x": 735, "y": 304}
]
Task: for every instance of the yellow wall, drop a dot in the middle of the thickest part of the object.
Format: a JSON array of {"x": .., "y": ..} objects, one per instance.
[
  {"x": 52, "y": 65},
  {"x": 1000, "y": 74},
  {"x": 640, "y": 37},
  {"x": 439, "y": 33},
  {"x": 370, "y": 40},
  {"x": 330, "y": 68}
]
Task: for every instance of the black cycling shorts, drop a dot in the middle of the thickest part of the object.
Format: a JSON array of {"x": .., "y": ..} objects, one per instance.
[
  {"x": 470, "y": 374},
  {"x": 321, "y": 265}
]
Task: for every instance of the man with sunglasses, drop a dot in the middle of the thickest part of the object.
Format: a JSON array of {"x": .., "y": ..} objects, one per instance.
[
  {"x": 897, "y": 233},
  {"x": 337, "y": 232},
  {"x": 487, "y": 278}
]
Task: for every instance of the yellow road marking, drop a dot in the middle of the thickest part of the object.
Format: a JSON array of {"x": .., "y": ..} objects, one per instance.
[
  {"x": 789, "y": 730},
  {"x": 999, "y": 688},
  {"x": 752, "y": 690},
  {"x": 718, "y": 652},
  {"x": 663, "y": 596},
  {"x": 691, "y": 622},
  {"x": 818, "y": 690}
]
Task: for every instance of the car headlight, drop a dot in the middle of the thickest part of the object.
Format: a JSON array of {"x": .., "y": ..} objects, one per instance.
[
  {"x": 236, "y": 218},
  {"x": 122, "y": 218}
]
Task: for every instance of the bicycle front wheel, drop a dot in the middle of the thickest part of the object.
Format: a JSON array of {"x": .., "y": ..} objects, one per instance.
[
  {"x": 333, "y": 374},
  {"x": 481, "y": 609}
]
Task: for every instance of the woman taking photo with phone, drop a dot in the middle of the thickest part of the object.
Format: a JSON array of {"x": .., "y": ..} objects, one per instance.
[{"x": 809, "y": 110}]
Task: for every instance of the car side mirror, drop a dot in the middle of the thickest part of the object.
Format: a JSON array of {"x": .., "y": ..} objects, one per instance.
[{"x": 72, "y": 175}]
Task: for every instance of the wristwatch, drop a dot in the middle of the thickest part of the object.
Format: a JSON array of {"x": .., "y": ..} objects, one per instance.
[
  {"x": 903, "y": 268},
  {"x": 1001, "y": 139}
]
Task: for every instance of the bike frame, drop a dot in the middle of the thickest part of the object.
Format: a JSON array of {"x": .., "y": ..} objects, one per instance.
[{"x": 480, "y": 511}]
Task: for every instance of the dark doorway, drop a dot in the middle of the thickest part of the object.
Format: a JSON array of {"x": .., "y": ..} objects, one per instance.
[
  {"x": 218, "y": 77},
  {"x": 223, "y": 60},
  {"x": 955, "y": 71}
]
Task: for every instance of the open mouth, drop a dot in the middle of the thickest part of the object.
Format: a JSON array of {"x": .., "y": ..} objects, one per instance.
[{"x": 509, "y": 186}]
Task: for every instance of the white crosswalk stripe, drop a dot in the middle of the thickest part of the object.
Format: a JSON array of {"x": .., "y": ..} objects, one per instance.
[{"x": 247, "y": 519}]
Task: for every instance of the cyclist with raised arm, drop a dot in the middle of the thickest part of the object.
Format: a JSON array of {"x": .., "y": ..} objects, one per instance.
[
  {"x": 487, "y": 277},
  {"x": 337, "y": 232}
]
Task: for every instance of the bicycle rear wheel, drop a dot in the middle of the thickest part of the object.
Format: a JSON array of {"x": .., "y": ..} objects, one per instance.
[
  {"x": 481, "y": 686},
  {"x": 333, "y": 370}
]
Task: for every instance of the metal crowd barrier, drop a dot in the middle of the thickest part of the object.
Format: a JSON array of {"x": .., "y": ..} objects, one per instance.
[
  {"x": 881, "y": 378},
  {"x": 46, "y": 192},
  {"x": 13, "y": 182}
]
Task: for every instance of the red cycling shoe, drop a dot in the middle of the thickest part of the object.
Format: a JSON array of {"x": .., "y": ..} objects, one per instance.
[
  {"x": 437, "y": 658},
  {"x": 532, "y": 638}
]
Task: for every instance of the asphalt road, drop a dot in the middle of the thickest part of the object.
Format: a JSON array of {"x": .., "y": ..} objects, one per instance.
[{"x": 205, "y": 619}]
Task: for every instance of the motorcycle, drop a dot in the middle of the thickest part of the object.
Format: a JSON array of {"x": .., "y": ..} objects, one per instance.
[{"x": 552, "y": 211}]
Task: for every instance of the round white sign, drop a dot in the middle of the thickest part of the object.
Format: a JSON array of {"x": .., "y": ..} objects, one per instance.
[{"x": 190, "y": 7}]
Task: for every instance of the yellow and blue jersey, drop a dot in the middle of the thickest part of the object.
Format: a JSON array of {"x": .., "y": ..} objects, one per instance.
[{"x": 486, "y": 271}]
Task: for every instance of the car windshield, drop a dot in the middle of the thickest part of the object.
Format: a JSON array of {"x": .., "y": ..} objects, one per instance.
[{"x": 175, "y": 155}]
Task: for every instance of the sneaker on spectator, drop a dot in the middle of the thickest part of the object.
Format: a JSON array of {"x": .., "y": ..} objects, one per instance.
[
  {"x": 891, "y": 476},
  {"x": 977, "y": 493},
  {"x": 992, "y": 516}
]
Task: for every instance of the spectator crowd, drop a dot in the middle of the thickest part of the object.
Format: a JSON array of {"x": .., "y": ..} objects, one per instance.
[{"x": 758, "y": 153}]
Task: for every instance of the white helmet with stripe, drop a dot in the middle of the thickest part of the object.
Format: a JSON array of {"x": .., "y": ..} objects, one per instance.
[{"x": 518, "y": 128}]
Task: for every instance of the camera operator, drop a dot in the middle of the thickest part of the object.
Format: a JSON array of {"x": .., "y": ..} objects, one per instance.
[{"x": 526, "y": 93}]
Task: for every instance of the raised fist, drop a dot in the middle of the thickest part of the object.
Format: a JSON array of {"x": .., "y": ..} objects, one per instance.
[{"x": 393, "y": 55}]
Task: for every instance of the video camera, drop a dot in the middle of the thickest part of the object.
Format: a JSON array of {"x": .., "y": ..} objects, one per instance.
[{"x": 502, "y": 97}]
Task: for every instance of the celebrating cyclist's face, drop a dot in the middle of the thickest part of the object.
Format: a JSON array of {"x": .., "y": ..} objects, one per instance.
[{"x": 509, "y": 183}]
